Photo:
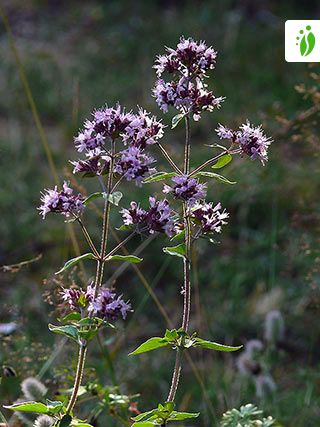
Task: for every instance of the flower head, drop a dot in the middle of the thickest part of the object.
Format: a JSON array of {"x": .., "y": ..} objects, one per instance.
[
  {"x": 210, "y": 217},
  {"x": 64, "y": 201},
  {"x": 96, "y": 163},
  {"x": 187, "y": 65},
  {"x": 251, "y": 140},
  {"x": 108, "y": 123},
  {"x": 187, "y": 189},
  {"x": 108, "y": 306},
  {"x": 134, "y": 164},
  {"x": 158, "y": 218},
  {"x": 190, "y": 56},
  {"x": 143, "y": 130},
  {"x": 78, "y": 299}
]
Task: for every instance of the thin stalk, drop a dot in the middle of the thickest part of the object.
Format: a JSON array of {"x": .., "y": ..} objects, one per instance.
[
  {"x": 78, "y": 377},
  {"x": 186, "y": 271},
  {"x": 169, "y": 158},
  {"x": 88, "y": 237},
  {"x": 119, "y": 246},
  {"x": 98, "y": 281}
]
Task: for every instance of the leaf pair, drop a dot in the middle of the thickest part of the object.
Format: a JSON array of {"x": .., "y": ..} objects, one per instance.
[
  {"x": 180, "y": 339},
  {"x": 161, "y": 415},
  {"x": 74, "y": 261}
]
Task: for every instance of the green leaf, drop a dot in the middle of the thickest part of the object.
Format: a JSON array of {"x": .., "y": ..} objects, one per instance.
[
  {"x": 79, "y": 423},
  {"x": 115, "y": 198},
  {"x": 65, "y": 421},
  {"x": 159, "y": 176},
  {"x": 75, "y": 261},
  {"x": 127, "y": 258},
  {"x": 36, "y": 407},
  {"x": 179, "y": 416},
  {"x": 71, "y": 317},
  {"x": 150, "y": 344},
  {"x": 179, "y": 250},
  {"x": 216, "y": 176},
  {"x": 178, "y": 236},
  {"x": 124, "y": 227},
  {"x": 54, "y": 406},
  {"x": 144, "y": 415},
  {"x": 171, "y": 335},
  {"x": 145, "y": 424},
  {"x": 69, "y": 331},
  {"x": 92, "y": 197},
  {"x": 214, "y": 346},
  {"x": 223, "y": 161},
  {"x": 176, "y": 119}
]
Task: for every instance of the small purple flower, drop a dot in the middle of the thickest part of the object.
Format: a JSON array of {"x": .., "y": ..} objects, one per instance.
[
  {"x": 210, "y": 217},
  {"x": 185, "y": 96},
  {"x": 224, "y": 132},
  {"x": 96, "y": 163},
  {"x": 190, "y": 57},
  {"x": 186, "y": 189},
  {"x": 108, "y": 306},
  {"x": 78, "y": 299},
  {"x": 134, "y": 164},
  {"x": 252, "y": 140},
  {"x": 143, "y": 130},
  {"x": 108, "y": 123},
  {"x": 159, "y": 217},
  {"x": 64, "y": 201}
]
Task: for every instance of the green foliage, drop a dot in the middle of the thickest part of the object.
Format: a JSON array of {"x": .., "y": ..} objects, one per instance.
[
  {"x": 180, "y": 339},
  {"x": 216, "y": 176},
  {"x": 74, "y": 261},
  {"x": 161, "y": 415},
  {"x": 125, "y": 258},
  {"x": 113, "y": 198},
  {"x": 248, "y": 416},
  {"x": 222, "y": 161},
  {"x": 176, "y": 120},
  {"x": 159, "y": 176},
  {"x": 179, "y": 250}
]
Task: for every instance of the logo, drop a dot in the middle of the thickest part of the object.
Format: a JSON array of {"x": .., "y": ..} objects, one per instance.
[{"x": 302, "y": 41}]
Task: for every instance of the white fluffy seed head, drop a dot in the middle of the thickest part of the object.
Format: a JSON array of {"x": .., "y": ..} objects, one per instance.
[
  {"x": 33, "y": 389},
  {"x": 43, "y": 421}
]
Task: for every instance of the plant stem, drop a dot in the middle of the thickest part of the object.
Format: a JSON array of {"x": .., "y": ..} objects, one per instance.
[
  {"x": 98, "y": 281},
  {"x": 186, "y": 271},
  {"x": 88, "y": 238},
  {"x": 170, "y": 160},
  {"x": 175, "y": 377},
  {"x": 119, "y": 246},
  {"x": 78, "y": 377}
]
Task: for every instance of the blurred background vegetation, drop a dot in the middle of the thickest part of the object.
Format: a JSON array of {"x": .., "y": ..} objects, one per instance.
[{"x": 77, "y": 56}]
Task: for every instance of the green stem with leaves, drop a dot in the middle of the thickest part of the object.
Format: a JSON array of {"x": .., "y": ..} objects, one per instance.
[
  {"x": 186, "y": 271},
  {"x": 98, "y": 278}
]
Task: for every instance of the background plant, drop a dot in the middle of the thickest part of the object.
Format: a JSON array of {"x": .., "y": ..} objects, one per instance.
[{"x": 269, "y": 252}]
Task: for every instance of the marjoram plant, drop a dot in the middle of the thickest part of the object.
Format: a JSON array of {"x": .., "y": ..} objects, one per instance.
[{"x": 115, "y": 146}]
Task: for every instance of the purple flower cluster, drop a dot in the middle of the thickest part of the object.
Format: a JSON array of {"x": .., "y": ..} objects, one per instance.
[
  {"x": 143, "y": 130},
  {"x": 186, "y": 189},
  {"x": 186, "y": 92},
  {"x": 210, "y": 217},
  {"x": 136, "y": 131},
  {"x": 134, "y": 164},
  {"x": 251, "y": 140},
  {"x": 64, "y": 201},
  {"x": 97, "y": 163},
  {"x": 159, "y": 217},
  {"x": 108, "y": 306},
  {"x": 191, "y": 56},
  {"x": 108, "y": 123},
  {"x": 78, "y": 299}
]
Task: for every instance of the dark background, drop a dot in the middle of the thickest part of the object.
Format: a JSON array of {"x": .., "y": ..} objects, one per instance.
[{"x": 77, "y": 56}]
